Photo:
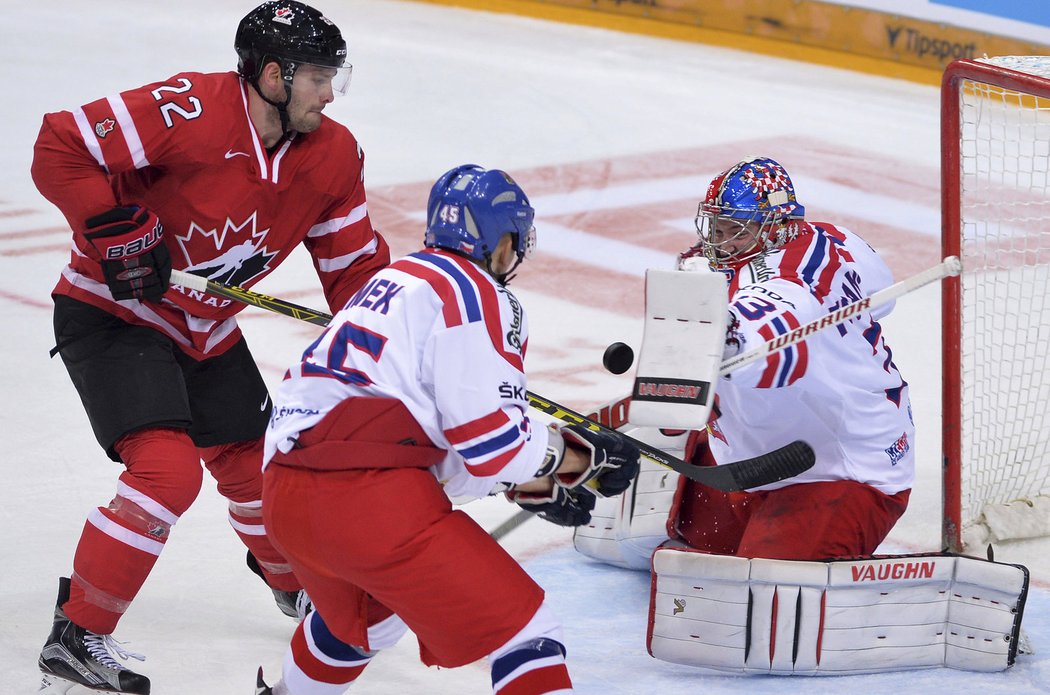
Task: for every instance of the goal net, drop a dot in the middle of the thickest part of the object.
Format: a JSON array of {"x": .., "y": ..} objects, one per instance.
[{"x": 995, "y": 143}]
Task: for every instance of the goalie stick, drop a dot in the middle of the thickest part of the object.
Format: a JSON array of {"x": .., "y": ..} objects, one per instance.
[
  {"x": 948, "y": 267},
  {"x": 785, "y": 462}
]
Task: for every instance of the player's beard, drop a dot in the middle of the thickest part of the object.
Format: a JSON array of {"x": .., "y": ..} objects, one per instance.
[{"x": 301, "y": 119}]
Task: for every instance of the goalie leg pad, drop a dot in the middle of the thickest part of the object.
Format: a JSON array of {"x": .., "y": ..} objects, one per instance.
[
  {"x": 834, "y": 618},
  {"x": 625, "y": 530}
]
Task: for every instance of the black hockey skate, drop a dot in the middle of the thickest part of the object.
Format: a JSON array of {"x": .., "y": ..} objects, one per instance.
[
  {"x": 260, "y": 685},
  {"x": 75, "y": 660},
  {"x": 294, "y": 604}
]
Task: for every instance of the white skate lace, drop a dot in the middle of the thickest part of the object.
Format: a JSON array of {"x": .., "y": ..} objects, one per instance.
[
  {"x": 303, "y": 605},
  {"x": 99, "y": 646}
]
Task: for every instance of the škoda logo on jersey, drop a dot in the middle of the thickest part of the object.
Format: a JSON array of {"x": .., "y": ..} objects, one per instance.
[{"x": 671, "y": 390}]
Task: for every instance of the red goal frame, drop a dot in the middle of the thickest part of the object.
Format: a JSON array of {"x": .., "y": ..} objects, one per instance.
[{"x": 951, "y": 245}]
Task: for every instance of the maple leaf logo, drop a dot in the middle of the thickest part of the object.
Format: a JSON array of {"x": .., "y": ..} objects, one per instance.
[
  {"x": 235, "y": 255},
  {"x": 105, "y": 127}
]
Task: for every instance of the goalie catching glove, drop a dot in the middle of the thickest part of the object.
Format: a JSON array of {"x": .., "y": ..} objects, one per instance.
[{"x": 130, "y": 245}]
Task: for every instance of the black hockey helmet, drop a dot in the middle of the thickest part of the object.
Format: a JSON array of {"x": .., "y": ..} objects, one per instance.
[{"x": 291, "y": 34}]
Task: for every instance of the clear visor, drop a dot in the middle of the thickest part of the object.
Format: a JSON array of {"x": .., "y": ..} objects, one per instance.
[{"x": 324, "y": 77}]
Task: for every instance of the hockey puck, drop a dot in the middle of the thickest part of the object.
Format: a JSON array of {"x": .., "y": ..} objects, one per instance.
[{"x": 618, "y": 358}]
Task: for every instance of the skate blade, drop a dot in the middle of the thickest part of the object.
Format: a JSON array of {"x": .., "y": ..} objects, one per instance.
[{"x": 51, "y": 684}]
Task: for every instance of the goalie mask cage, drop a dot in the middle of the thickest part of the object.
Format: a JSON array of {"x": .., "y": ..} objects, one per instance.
[{"x": 995, "y": 145}]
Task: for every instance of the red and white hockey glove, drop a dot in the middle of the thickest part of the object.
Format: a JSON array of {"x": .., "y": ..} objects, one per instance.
[
  {"x": 130, "y": 244},
  {"x": 614, "y": 461}
]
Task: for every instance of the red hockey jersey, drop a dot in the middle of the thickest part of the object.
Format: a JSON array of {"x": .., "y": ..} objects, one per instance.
[{"x": 232, "y": 211}]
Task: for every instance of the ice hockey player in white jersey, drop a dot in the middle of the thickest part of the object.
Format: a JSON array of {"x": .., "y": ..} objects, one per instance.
[
  {"x": 838, "y": 390},
  {"x": 782, "y": 577},
  {"x": 415, "y": 393}
]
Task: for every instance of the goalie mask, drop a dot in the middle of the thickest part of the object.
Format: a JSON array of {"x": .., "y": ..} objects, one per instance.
[
  {"x": 471, "y": 209},
  {"x": 748, "y": 210}
]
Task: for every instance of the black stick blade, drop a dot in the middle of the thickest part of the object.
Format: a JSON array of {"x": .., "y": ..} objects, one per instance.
[{"x": 779, "y": 464}]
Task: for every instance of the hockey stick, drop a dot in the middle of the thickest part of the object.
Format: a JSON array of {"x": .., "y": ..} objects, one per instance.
[
  {"x": 200, "y": 284},
  {"x": 785, "y": 462},
  {"x": 519, "y": 518},
  {"x": 948, "y": 267}
]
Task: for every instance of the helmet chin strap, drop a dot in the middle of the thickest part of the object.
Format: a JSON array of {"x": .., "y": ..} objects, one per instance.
[
  {"x": 282, "y": 107},
  {"x": 504, "y": 278}
]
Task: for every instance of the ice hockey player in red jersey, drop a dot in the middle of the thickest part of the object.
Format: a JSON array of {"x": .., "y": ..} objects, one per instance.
[
  {"x": 414, "y": 394},
  {"x": 221, "y": 175},
  {"x": 839, "y": 390}
]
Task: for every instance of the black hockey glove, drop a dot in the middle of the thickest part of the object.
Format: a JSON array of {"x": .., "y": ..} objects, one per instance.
[
  {"x": 614, "y": 461},
  {"x": 561, "y": 507},
  {"x": 130, "y": 243}
]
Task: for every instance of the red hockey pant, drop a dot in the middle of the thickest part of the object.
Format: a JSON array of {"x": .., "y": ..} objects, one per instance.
[
  {"x": 810, "y": 521},
  {"x": 360, "y": 536}
]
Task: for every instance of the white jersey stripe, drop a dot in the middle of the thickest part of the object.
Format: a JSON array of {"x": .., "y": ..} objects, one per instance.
[
  {"x": 131, "y": 133},
  {"x": 329, "y": 265},
  {"x": 90, "y": 141},
  {"x": 331, "y": 226},
  {"x": 279, "y": 156},
  {"x": 260, "y": 156}
]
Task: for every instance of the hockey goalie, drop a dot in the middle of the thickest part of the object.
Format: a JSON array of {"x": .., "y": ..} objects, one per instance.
[{"x": 767, "y": 580}]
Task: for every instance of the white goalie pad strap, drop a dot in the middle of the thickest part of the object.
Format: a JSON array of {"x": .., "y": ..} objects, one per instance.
[
  {"x": 832, "y": 618},
  {"x": 624, "y": 530},
  {"x": 1021, "y": 518},
  {"x": 682, "y": 343}
]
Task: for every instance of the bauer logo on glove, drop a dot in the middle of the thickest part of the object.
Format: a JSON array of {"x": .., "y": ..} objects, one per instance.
[{"x": 134, "y": 259}]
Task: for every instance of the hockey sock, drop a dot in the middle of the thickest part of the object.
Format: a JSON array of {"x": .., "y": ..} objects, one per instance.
[
  {"x": 533, "y": 661},
  {"x": 121, "y": 542},
  {"x": 538, "y": 666},
  {"x": 237, "y": 468},
  {"x": 319, "y": 663}
]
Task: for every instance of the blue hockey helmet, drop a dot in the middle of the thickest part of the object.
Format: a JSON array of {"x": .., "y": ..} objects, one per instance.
[
  {"x": 749, "y": 209},
  {"x": 471, "y": 208}
]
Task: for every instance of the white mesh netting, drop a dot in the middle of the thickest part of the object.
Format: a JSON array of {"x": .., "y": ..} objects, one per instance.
[{"x": 1005, "y": 169}]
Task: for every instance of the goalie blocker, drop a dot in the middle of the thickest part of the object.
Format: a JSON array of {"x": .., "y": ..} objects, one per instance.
[{"x": 834, "y": 618}]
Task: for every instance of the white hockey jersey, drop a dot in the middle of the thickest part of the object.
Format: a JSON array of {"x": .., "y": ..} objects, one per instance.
[
  {"x": 838, "y": 390},
  {"x": 436, "y": 332}
]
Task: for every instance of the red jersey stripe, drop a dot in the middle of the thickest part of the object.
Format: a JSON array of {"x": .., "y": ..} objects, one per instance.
[
  {"x": 477, "y": 428},
  {"x": 450, "y": 310}
]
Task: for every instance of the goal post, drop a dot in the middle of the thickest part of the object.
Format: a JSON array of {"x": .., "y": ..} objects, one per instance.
[{"x": 995, "y": 189}]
